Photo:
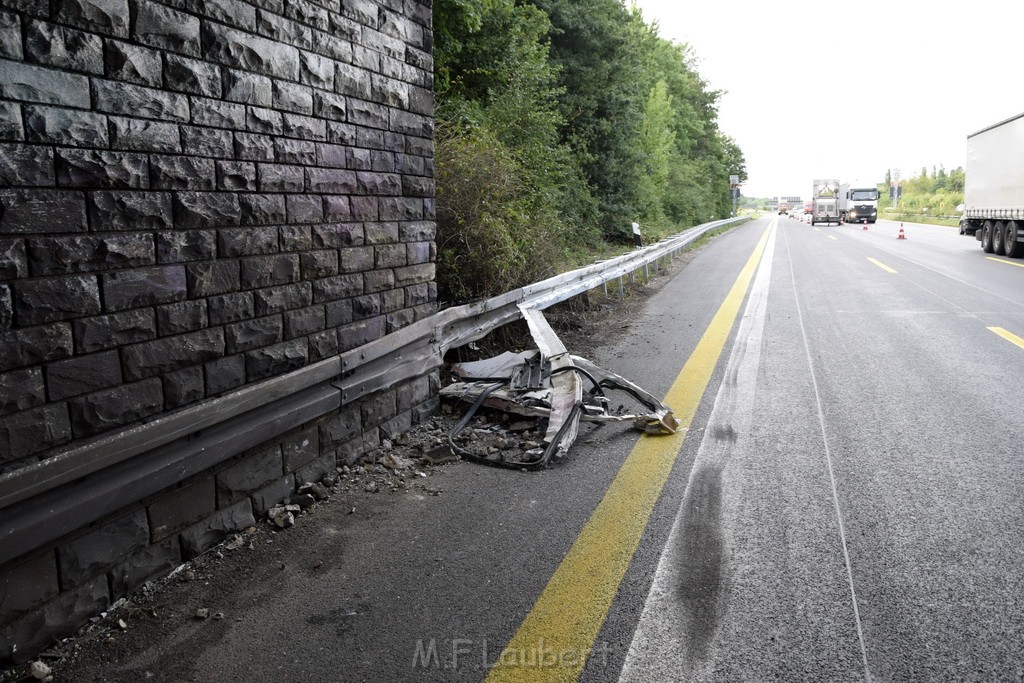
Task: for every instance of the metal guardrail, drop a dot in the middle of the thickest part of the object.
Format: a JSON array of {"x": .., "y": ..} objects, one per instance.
[{"x": 99, "y": 476}]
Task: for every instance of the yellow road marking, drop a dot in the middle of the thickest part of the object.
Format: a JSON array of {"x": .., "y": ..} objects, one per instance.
[
  {"x": 557, "y": 635},
  {"x": 833, "y": 237},
  {"x": 818, "y": 229},
  {"x": 881, "y": 265},
  {"x": 1009, "y": 263},
  {"x": 1008, "y": 336}
]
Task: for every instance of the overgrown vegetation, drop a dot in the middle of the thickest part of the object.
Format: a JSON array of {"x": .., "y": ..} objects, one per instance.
[
  {"x": 929, "y": 197},
  {"x": 559, "y": 123}
]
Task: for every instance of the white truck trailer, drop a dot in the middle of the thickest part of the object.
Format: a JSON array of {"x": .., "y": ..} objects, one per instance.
[
  {"x": 994, "y": 188},
  {"x": 825, "y": 202},
  {"x": 858, "y": 202}
]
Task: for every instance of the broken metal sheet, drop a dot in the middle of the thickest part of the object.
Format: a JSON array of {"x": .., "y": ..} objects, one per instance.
[
  {"x": 660, "y": 421},
  {"x": 566, "y": 387},
  {"x": 532, "y": 404},
  {"x": 502, "y": 365}
]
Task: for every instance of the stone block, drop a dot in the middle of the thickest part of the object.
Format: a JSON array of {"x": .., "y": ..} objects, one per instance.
[
  {"x": 356, "y": 259},
  {"x": 381, "y": 233},
  {"x": 252, "y": 334},
  {"x": 144, "y": 287},
  {"x": 300, "y": 448},
  {"x": 63, "y": 48},
  {"x": 316, "y": 71},
  {"x": 419, "y": 252},
  {"x": 249, "y": 52},
  {"x": 266, "y": 121},
  {"x": 318, "y": 264},
  {"x": 338, "y": 312},
  {"x": 251, "y": 241},
  {"x": 364, "y": 208},
  {"x": 192, "y": 76},
  {"x": 331, "y": 156},
  {"x": 278, "y": 299},
  {"x": 207, "y": 142},
  {"x": 409, "y": 275},
  {"x": 218, "y": 114},
  {"x": 341, "y": 427},
  {"x": 104, "y": 410},
  {"x": 21, "y": 389},
  {"x": 181, "y": 317},
  {"x": 235, "y": 12},
  {"x": 27, "y": 583},
  {"x": 236, "y": 176},
  {"x": 367, "y": 306},
  {"x": 127, "y": 99},
  {"x": 303, "y": 127},
  {"x": 166, "y": 28},
  {"x": 338, "y": 235},
  {"x": 296, "y": 238},
  {"x": 31, "y": 83},
  {"x": 415, "y": 186},
  {"x": 182, "y": 507},
  {"x": 133, "y": 63},
  {"x": 88, "y": 168},
  {"x": 285, "y": 31},
  {"x": 332, "y": 181},
  {"x": 53, "y": 621},
  {"x": 26, "y": 165},
  {"x": 253, "y": 147},
  {"x": 337, "y": 209},
  {"x": 272, "y": 494},
  {"x": 341, "y": 133},
  {"x": 32, "y": 345},
  {"x": 302, "y": 152},
  {"x": 359, "y": 159},
  {"x": 247, "y": 473},
  {"x": 379, "y": 280},
  {"x": 69, "y": 127},
  {"x": 280, "y": 178},
  {"x": 10, "y": 37},
  {"x": 304, "y": 208},
  {"x": 293, "y": 97},
  {"x": 118, "y": 329},
  {"x": 417, "y": 231},
  {"x": 79, "y": 254},
  {"x": 278, "y": 359},
  {"x": 106, "y": 17},
  {"x": 372, "y": 183},
  {"x": 83, "y": 374},
  {"x": 230, "y": 308},
  {"x": 323, "y": 345},
  {"x": 389, "y": 256},
  {"x": 225, "y": 374},
  {"x": 182, "y": 387},
  {"x": 360, "y": 332},
  {"x": 304, "y": 322},
  {"x": 194, "y": 210},
  {"x": 355, "y": 82},
  {"x": 121, "y": 210},
  {"x": 261, "y": 209},
  {"x": 338, "y": 287},
  {"x": 369, "y": 138},
  {"x": 183, "y": 173},
  {"x": 213, "y": 277},
  {"x": 389, "y": 91},
  {"x": 171, "y": 353},
  {"x": 41, "y": 211},
  {"x": 245, "y": 87},
  {"x": 43, "y": 300},
  {"x": 10, "y": 121},
  {"x": 149, "y": 563},
  {"x": 209, "y": 532},
  {"x": 96, "y": 551},
  {"x": 144, "y": 136},
  {"x": 267, "y": 271},
  {"x": 33, "y": 431}
]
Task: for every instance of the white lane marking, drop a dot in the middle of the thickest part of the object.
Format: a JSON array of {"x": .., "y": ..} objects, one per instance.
[
  {"x": 660, "y": 649},
  {"x": 831, "y": 471}
]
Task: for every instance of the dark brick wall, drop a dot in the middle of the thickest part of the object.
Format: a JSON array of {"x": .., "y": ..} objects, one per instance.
[
  {"x": 199, "y": 195},
  {"x": 196, "y": 195}
]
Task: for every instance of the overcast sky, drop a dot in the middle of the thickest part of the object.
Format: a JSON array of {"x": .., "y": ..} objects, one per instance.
[{"x": 846, "y": 90}]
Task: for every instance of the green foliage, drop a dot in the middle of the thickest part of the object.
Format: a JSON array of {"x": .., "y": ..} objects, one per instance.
[
  {"x": 560, "y": 122},
  {"x": 930, "y": 194}
]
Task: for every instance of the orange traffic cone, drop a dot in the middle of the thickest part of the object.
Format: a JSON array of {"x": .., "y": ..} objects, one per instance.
[
  {"x": 901, "y": 235},
  {"x": 865, "y": 225}
]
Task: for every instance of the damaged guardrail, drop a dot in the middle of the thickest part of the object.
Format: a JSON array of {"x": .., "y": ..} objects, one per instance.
[{"x": 93, "y": 478}]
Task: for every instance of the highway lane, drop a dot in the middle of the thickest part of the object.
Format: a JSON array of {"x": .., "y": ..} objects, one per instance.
[{"x": 866, "y": 516}]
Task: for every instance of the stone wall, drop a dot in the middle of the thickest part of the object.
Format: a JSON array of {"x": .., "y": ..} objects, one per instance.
[{"x": 197, "y": 196}]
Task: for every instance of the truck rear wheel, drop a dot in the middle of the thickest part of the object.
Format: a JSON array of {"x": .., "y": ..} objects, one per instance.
[
  {"x": 1014, "y": 249},
  {"x": 986, "y": 237},
  {"x": 997, "y": 239}
]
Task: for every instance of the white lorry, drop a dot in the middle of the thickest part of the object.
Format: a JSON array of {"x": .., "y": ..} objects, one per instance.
[
  {"x": 858, "y": 202},
  {"x": 825, "y": 202},
  {"x": 994, "y": 188}
]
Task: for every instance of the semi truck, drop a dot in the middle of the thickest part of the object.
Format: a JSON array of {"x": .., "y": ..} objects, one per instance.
[
  {"x": 825, "y": 202},
  {"x": 858, "y": 202},
  {"x": 994, "y": 188}
]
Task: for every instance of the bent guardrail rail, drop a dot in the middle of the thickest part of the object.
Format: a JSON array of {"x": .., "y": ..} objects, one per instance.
[{"x": 97, "y": 477}]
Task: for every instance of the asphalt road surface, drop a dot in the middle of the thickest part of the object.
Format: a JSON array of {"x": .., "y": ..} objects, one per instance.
[{"x": 845, "y": 503}]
